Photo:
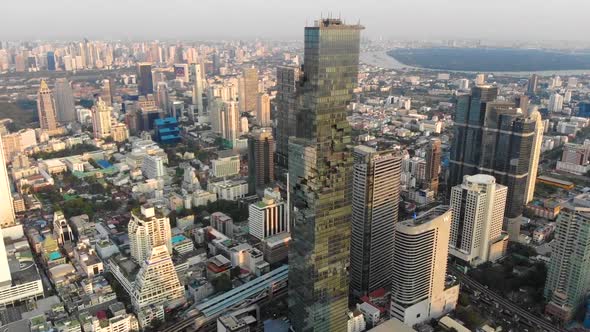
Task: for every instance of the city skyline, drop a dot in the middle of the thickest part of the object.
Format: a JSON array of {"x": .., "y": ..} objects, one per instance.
[
  {"x": 298, "y": 185},
  {"x": 459, "y": 19}
]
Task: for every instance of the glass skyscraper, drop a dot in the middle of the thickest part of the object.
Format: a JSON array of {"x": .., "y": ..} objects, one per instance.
[
  {"x": 496, "y": 138},
  {"x": 320, "y": 171}
]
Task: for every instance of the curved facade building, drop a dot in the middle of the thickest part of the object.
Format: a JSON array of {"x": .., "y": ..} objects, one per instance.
[{"x": 420, "y": 251}]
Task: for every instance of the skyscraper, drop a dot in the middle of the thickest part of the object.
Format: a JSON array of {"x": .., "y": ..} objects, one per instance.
[
  {"x": 145, "y": 84},
  {"x": 51, "y": 61},
  {"x": 6, "y": 205},
  {"x": 106, "y": 92},
  {"x": 287, "y": 78},
  {"x": 496, "y": 138},
  {"x": 263, "y": 110},
  {"x": 148, "y": 228},
  {"x": 568, "y": 276},
  {"x": 375, "y": 200},
  {"x": 535, "y": 117},
  {"x": 248, "y": 90},
  {"x": 46, "y": 108},
  {"x": 163, "y": 98},
  {"x": 532, "y": 85},
  {"x": 555, "y": 103},
  {"x": 101, "y": 119},
  {"x": 433, "y": 156},
  {"x": 64, "y": 101},
  {"x": 230, "y": 121},
  {"x": 419, "y": 269},
  {"x": 198, "y": 88},
  {"x": 478, "y": 213},
  {"x": 320, "y": 168},
  {"x": 261, "y": 148}
]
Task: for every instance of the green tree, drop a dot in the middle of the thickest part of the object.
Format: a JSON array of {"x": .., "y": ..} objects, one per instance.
[{"x": 222, "y": 283}]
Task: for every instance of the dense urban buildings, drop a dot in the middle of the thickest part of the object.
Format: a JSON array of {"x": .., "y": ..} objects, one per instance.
[
  {"x": 329, "y": 184},
  {"x": 320, "y": 168}
]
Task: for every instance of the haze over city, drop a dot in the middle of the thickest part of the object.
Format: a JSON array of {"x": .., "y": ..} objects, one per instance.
[{"x": 404, "y": 19}]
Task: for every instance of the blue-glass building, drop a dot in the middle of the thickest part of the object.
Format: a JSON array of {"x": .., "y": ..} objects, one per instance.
[
  {"x": 584, "y": 109},
  {"x": 167, "y": 130},
  {"x": 51, "y": 61}
]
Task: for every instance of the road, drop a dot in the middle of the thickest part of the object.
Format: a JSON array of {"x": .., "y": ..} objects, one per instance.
[{"x": 507, "y": 304}]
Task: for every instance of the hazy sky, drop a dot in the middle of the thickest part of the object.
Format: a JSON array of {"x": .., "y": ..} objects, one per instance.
[{"x": 201, "y": 19}]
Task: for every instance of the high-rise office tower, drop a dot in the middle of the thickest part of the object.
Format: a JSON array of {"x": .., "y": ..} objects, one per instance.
[
  {"x": 101, "y": 119},
  {"x": 375, "y": 200},
  {"x": 263, "y": 110},
  {"x": 248, "y": 88},
  {"x": 568, "y": 276},
  {"x": 46, "y": 108},
  {"x": 269, "y": 216},
  {"x": 6, "y": 205},
  {"x": 433, "y": 156},
  {"x": 261, "y": 148},
  {"x": 230, "y": 121},
  {"x": 198, "y": 88},
  {"x": 532, "y": 85},
  {"x": 499, "y": 139},
  {"x": 466, "y": 147},
  {"x": 106, "y": 93},
  {"x": 287, "y": 78},
  {"x": 419, "y": 269},
  {"x": 148, "y": 228},
  {"x": 478, "y": 213},
  {"x": 145, "y": 84},
  {"x": 163, "y": 98},
  {"x": 320, "y": 168},
  {"x": 51, "y": 61},
  {"x": 64, "y": 101}
]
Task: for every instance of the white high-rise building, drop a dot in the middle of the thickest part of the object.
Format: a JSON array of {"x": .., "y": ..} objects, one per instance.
[
  {"x": 157, "y": 281},
  {"x": 555, "y": 103},
  {"x": 6, "y": 204},
  {"x": 263, "y": 110},
  {"x": 269, "y": 216},
  {"x": 463, "y": 84},
  {"x": 230, "y": 121},
  {"x": 567, "y": 97},
  {"x": 148, "y": 228},
  {"x": 568, "y": 275},
  {"x": 478, "y": 213},
  {"x": 153, "y": 167},
  {"x": 198, "y": 88},
  {"x": 101, "y": 119},
  {"x": 420, "y": 254},
  {"x": 535, "y": 154},
  {"x": 480, "y": 79}
]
